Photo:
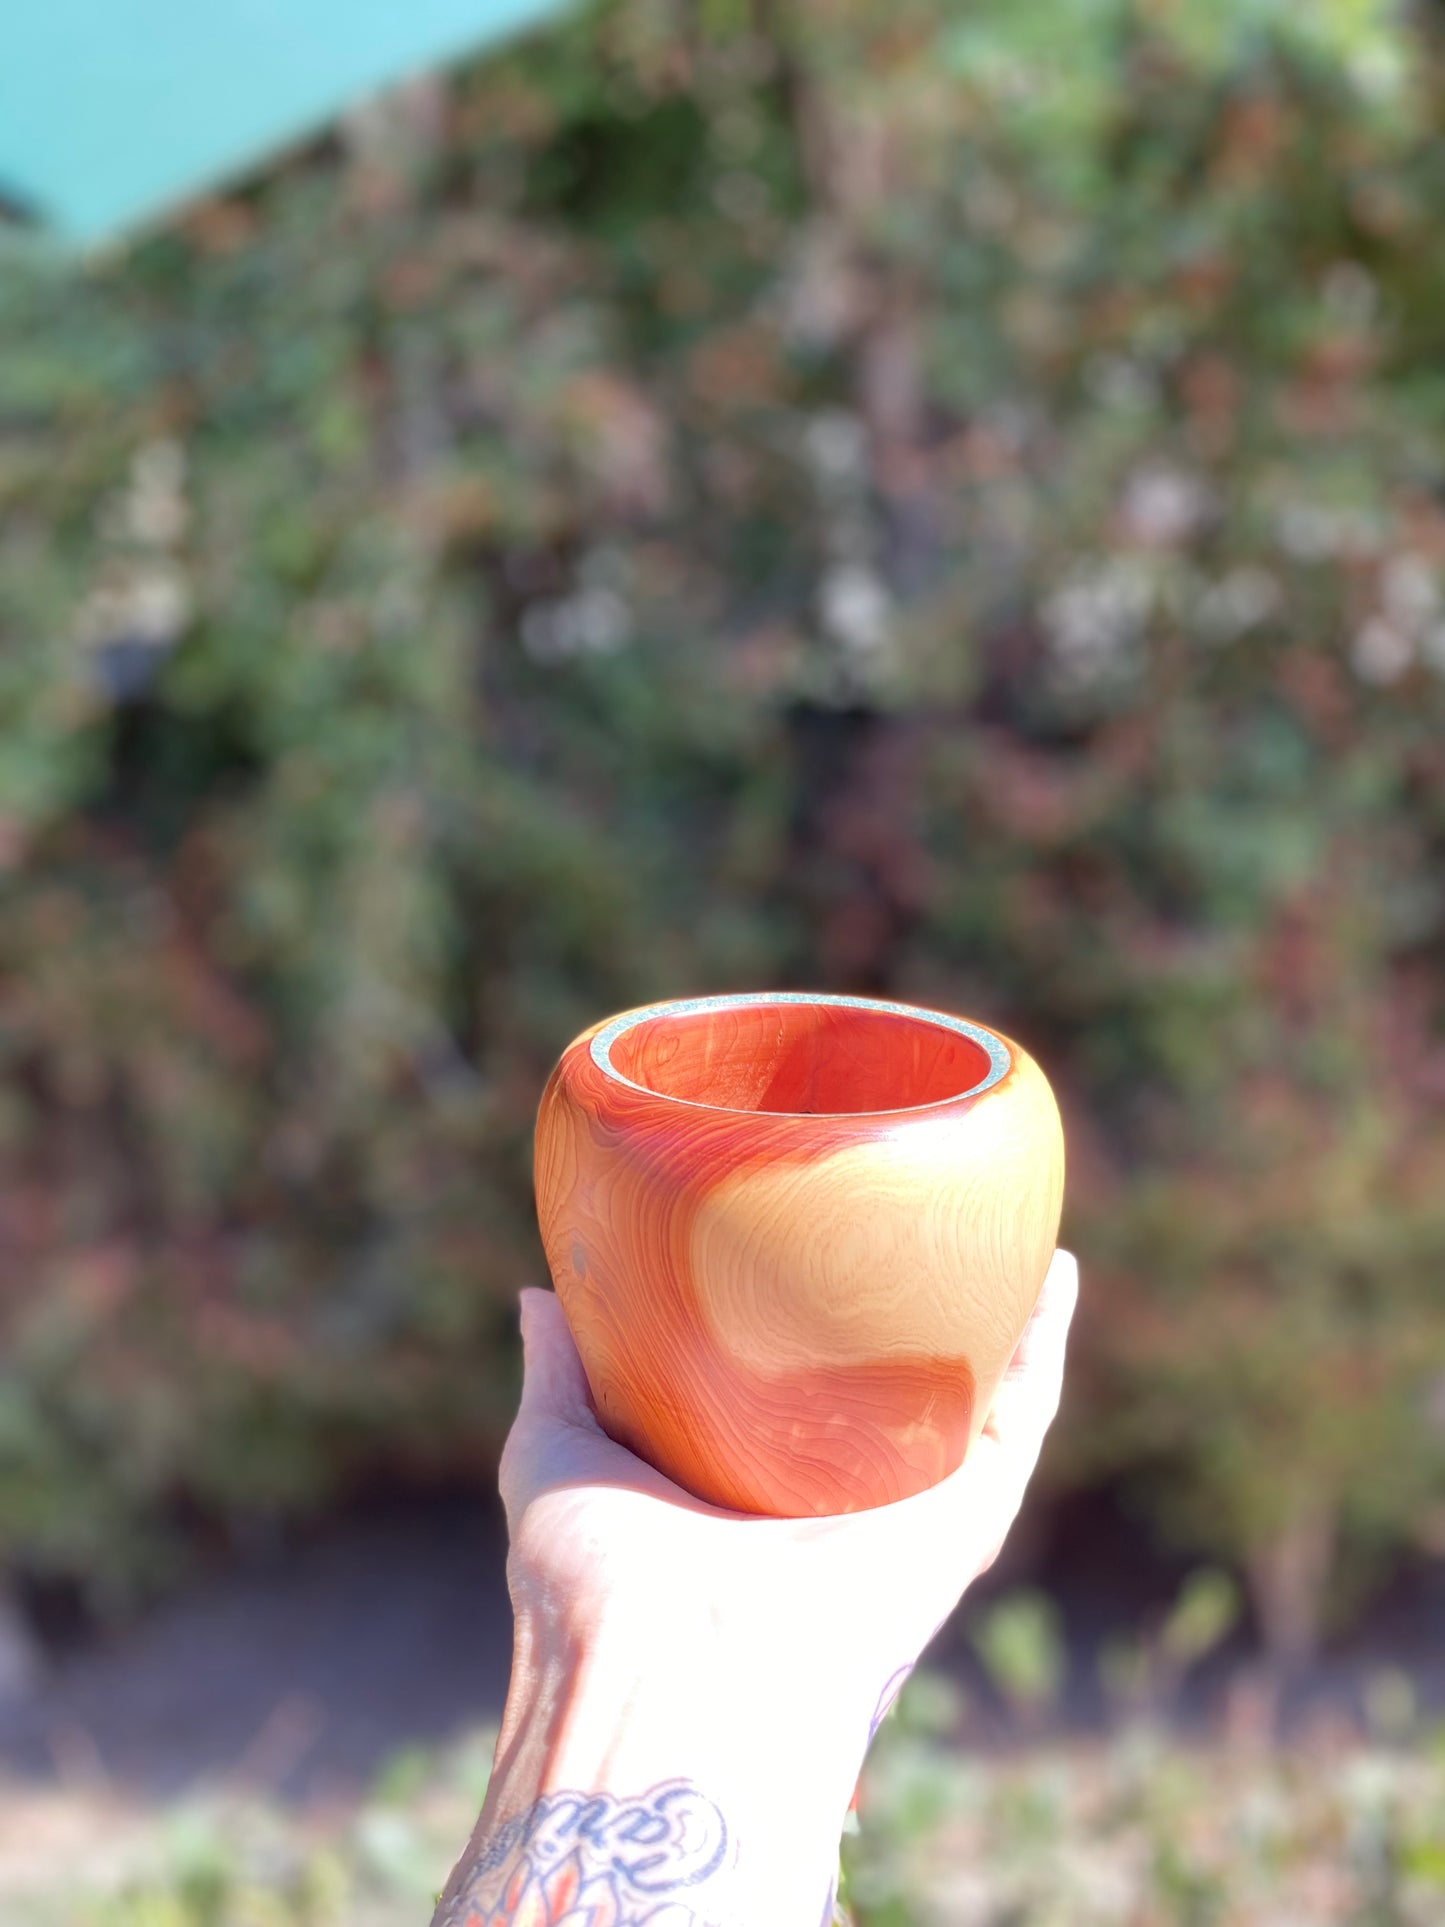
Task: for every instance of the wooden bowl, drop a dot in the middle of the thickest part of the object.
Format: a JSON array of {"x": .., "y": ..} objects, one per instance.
[{"x": 797, "y": 1238}]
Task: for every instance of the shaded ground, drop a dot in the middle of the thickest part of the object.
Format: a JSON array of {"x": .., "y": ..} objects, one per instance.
[
  {"x": 1110, "y": 1583},
  {"x": 301, "y": 1671}
]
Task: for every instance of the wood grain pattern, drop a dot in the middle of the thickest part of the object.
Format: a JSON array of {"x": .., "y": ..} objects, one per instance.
[{"x": 796, "y": 1238}]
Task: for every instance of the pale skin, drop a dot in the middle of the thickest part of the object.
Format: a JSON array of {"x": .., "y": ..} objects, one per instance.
[{"x": 693, "y": 1691}]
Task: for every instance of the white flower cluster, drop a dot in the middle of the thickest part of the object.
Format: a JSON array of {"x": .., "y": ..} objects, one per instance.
[
  {"x": 1238, "y": 602},
  {"x": 1094, "y": 620},
  {"x": 594, "y": 620},
  {"x": 1407, "y": 627},
  {"x": 1163, "y": 505},
  {"x": 141, "y": 606},
  {"x": 1322, "y": 532},
  {"x": 855, "y": 606}
]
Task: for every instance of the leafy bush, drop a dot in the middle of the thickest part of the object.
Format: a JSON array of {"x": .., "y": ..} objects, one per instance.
[
  {"x": 945, "y": 505},
  {"x": 1140, "y": 1829}
]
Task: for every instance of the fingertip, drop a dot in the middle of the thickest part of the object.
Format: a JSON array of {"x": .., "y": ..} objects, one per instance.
[
  {"x": 1054, "y": 1312},
  {"x": 542, "y": 1315},
  {"x": 1045, "y": 1335},
  {"x": 532, "y": 1306},
  {"x": 1027, "y": 1401},
  {"x": 1061, "y": 1283}
]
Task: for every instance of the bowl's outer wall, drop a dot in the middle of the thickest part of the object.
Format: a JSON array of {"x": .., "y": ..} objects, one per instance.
[{"x": 796, "y": 1315}]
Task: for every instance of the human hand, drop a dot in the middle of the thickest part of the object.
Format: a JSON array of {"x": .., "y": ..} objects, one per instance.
[{"x": 660, "y": 1639}]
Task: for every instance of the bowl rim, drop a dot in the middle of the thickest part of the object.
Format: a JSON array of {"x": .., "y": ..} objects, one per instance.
[{"x": 1000, "y": 1056}]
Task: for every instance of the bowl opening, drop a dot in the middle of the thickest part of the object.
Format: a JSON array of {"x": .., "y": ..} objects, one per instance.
[{"x": 801, "y": 1057}]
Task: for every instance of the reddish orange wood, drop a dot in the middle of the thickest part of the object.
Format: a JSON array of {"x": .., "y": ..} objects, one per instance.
[{"x": 797, "y": 1238}]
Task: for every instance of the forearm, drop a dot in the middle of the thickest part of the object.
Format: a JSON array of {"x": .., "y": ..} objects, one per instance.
[{"x": 637, "y": 1771}]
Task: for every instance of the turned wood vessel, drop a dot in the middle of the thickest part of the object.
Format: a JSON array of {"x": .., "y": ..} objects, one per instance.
[{"x": 797, "y": 1238}]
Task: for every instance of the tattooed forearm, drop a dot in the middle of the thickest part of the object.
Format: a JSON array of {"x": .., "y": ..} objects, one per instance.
[{"x": 593, "y": 1860}]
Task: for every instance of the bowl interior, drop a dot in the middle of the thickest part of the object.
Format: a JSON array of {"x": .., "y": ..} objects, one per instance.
[{"x": 799, "y": 1057}]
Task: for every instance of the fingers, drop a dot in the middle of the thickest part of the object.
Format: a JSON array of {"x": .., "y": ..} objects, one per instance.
[
  {"x": 1025, "y": 1403},
  {"x": 554, "y": 1385},
  {"x": 945, "y": 1536}
]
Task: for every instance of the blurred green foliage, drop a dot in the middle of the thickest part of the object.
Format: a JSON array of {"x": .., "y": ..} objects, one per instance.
[
  {"x": 943, "y": 502},
  {"x": 1141, "y": 1672},
  {"x": 1141, "y": 1829},
  {"x": 1081, "y": 1835},
  {"x": 233, "y": 1858},
  {"x": 1020, "y": 1645}
]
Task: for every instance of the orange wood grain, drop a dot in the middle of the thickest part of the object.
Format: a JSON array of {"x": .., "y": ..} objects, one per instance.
[{"x": 797, "y": 1239}]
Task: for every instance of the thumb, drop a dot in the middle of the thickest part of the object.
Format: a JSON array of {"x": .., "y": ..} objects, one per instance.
[
  {"x": 554, "y": 1402},
  {"x": 554, "y": 1385}
]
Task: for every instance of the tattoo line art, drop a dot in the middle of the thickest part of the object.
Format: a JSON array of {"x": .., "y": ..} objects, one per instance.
[{"x": 593, "y": 1860}]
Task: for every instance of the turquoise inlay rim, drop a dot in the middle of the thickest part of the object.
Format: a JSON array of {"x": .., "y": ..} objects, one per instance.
[{"x": 1000, "y": 1061}]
